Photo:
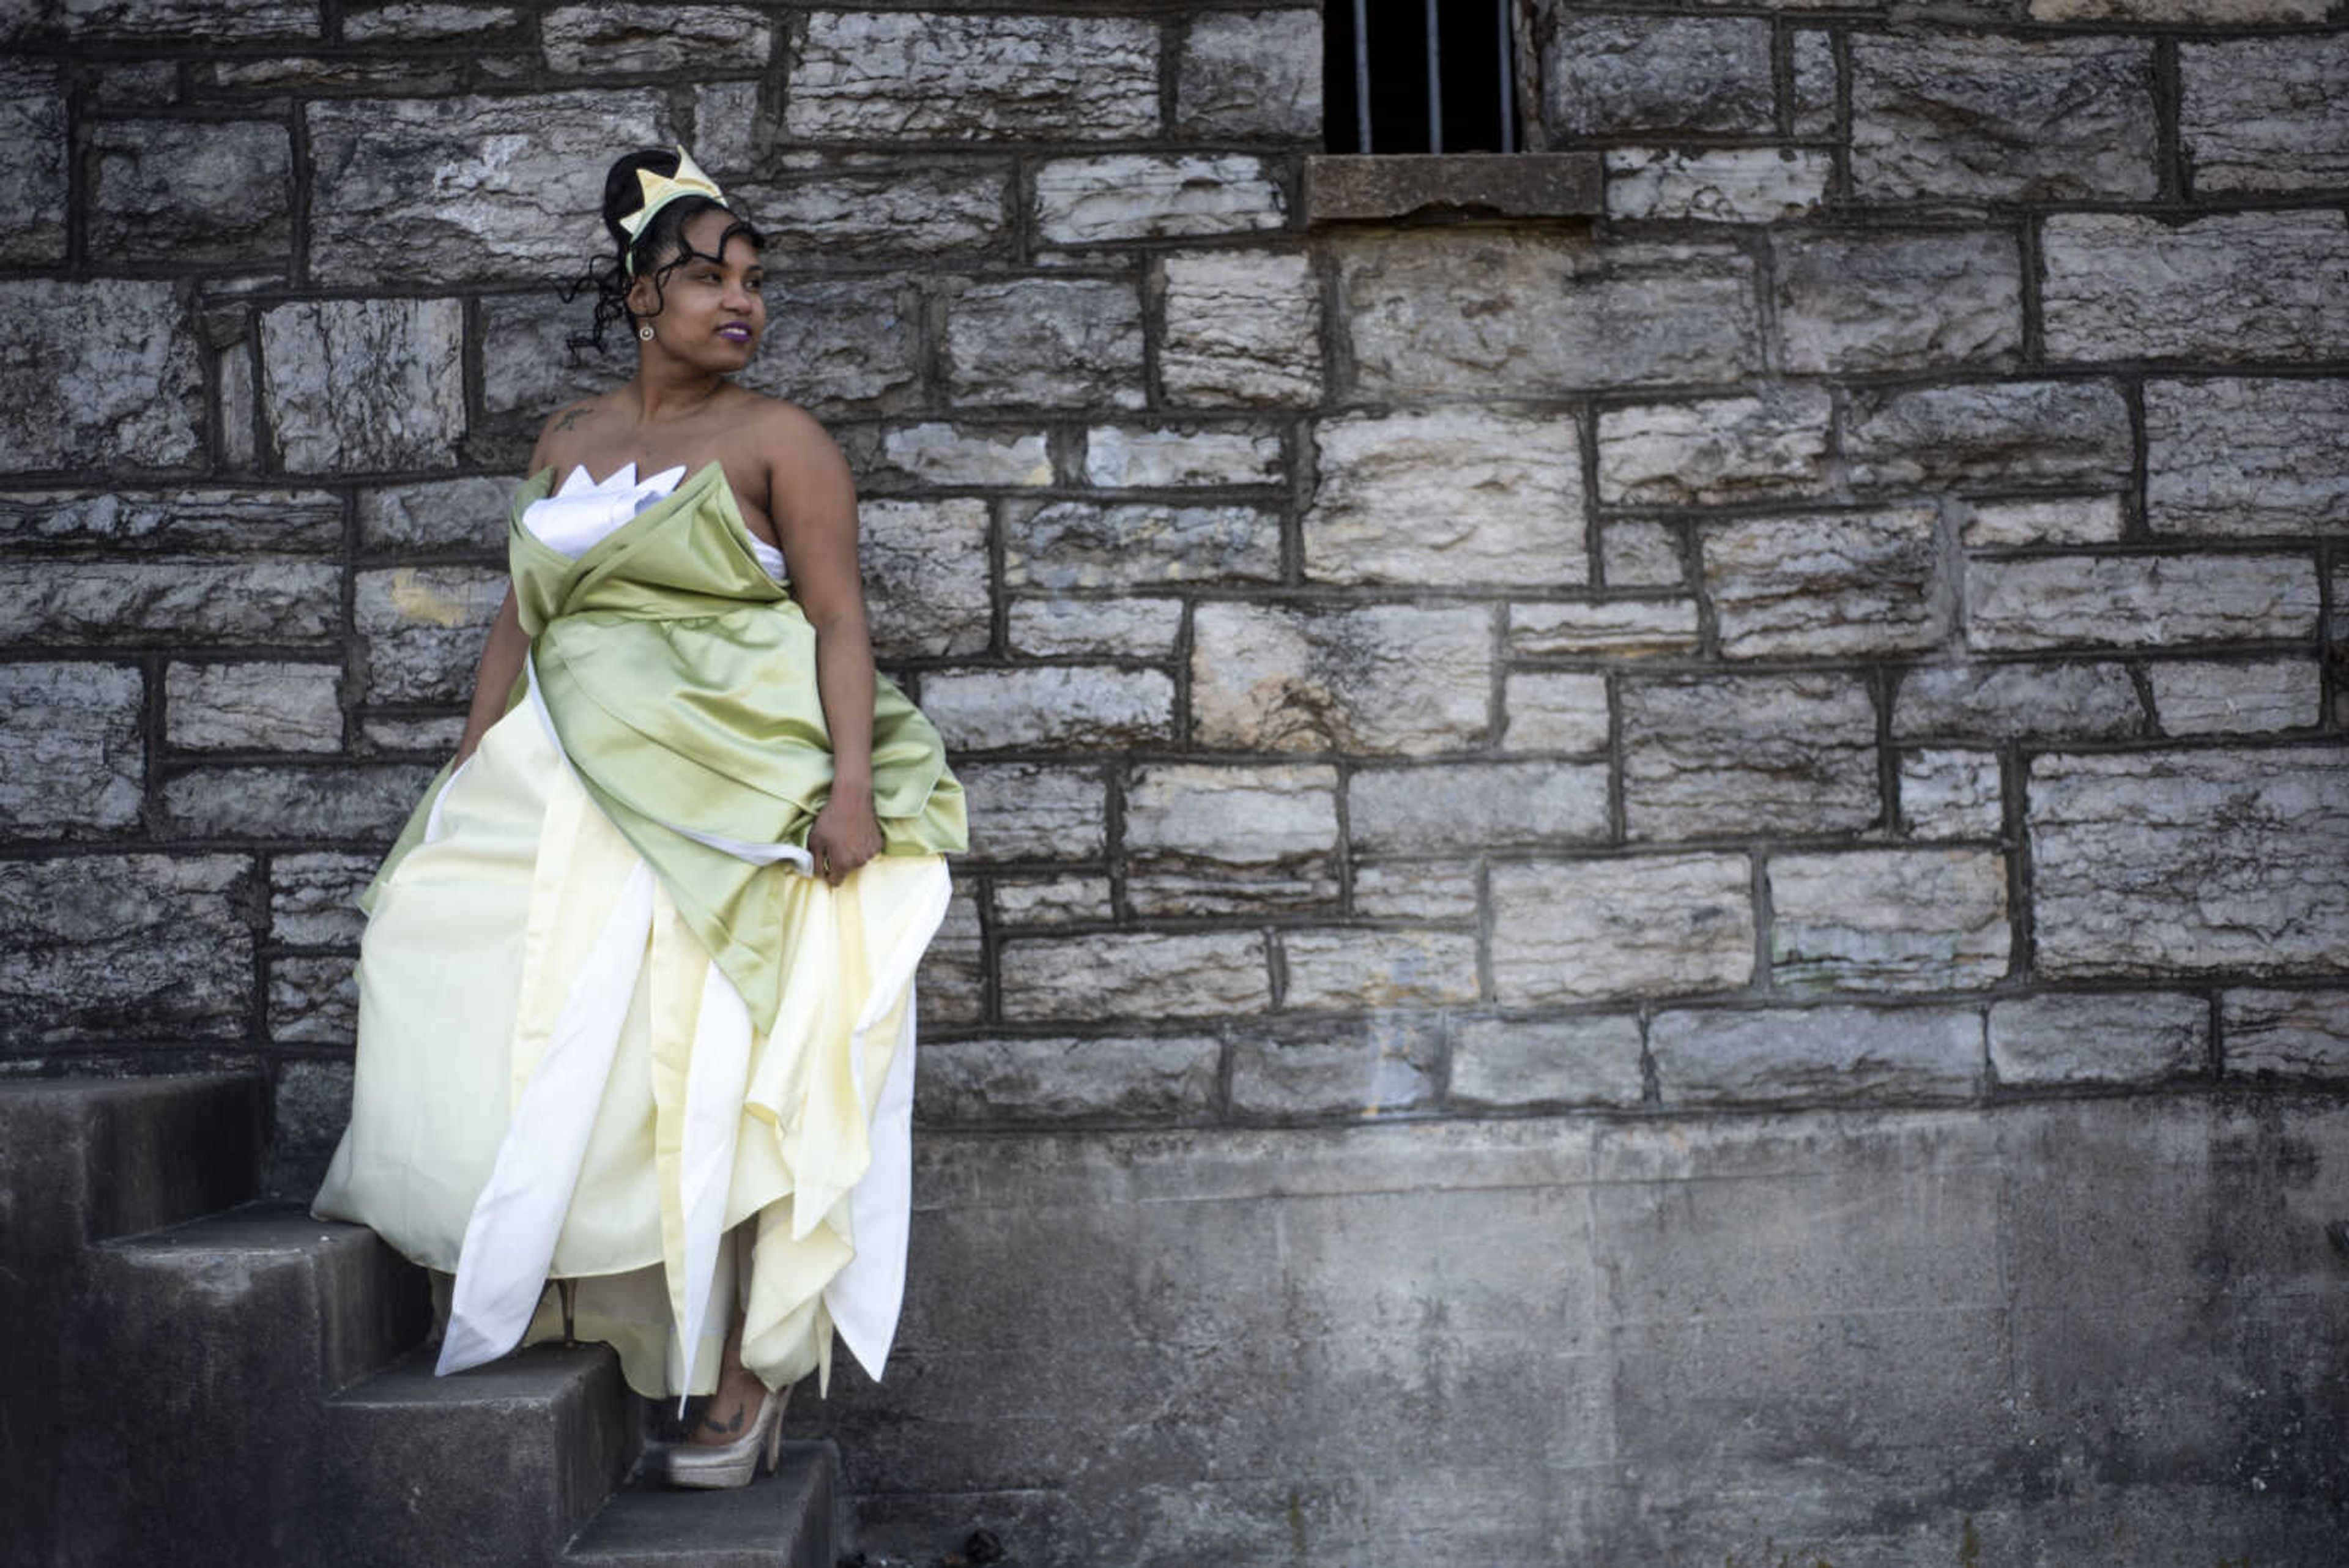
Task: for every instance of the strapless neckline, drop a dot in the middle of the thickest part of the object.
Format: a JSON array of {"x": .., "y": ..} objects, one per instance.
[{"x": 583, "y": 511}]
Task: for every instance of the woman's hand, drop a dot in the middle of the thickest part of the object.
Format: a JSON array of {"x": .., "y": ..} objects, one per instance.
[{"x": 846, "y": 835}]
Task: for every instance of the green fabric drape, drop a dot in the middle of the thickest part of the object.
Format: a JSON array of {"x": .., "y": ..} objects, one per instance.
[{"x": 681, "y": 679}]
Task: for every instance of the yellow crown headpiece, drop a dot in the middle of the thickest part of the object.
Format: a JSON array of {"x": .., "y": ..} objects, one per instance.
[{"x": 660, "y": 189}]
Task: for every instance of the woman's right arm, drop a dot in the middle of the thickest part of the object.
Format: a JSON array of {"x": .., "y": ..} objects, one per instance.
[
  {"x": 501, "y": 662},
  {"x": 501, "y": 656}
]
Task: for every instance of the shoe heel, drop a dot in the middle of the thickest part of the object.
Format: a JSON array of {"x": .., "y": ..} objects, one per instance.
[
  {"x": 565, "y": 1291},
  {"x": 774, "y": 1455}
]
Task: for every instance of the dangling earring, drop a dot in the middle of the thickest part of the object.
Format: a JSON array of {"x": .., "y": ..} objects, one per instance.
[{"x": 645, "y": 333}]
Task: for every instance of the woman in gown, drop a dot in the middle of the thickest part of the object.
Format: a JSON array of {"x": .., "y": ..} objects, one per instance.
[{"x": 636, "y": 990}]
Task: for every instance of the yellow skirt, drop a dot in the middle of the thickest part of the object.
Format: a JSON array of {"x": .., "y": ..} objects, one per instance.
[{"x": 539, "y": 1032}]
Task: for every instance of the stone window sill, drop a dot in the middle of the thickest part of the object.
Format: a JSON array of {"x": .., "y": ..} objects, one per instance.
[{"x": 1452, "y": 187}]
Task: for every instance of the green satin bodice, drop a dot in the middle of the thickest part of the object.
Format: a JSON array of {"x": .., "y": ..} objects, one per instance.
[{"x": 681, "y": 681}]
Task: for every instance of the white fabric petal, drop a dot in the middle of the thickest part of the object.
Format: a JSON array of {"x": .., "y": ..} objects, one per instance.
[
  {"x": 509, "y": 1239},
  {"x": 867, "y": 1295}
]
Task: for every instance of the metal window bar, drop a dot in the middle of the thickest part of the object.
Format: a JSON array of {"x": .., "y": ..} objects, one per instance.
[{"x": 1503, "y": 38}]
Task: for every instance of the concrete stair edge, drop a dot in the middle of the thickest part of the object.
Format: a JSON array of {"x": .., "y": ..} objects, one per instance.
[{"x": 780, "y": 1520}]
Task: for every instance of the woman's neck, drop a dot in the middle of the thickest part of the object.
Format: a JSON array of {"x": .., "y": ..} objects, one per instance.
[{"x": 668, "y": 392}]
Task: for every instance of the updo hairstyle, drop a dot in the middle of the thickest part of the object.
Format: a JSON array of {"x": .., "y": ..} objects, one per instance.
[{"x": 662, "y": 242}]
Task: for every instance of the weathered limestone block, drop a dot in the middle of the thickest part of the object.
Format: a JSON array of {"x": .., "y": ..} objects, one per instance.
[
  {"x": 125, "y": 947},
  {"x": 1120, "y": 628},
  {"x": 1502, "y": 314},
  {"x": 2190, "y": 862},
  {"x": 1636, "y": 554},
  {"x": 465, "y": 190},
  {"x": 436, "y": 734},
  {"x": 952, "y": 980},
  {"x": 1722, "y": 449},
  {"x": 842, "y": 345},
  {"x": 1052, "y": 900},
  {"x": 1554, "y": 710},
  {"x": 1748, "y": 753},
  {"x": 1888, "y": 919},
  {"x": 1952, "y": 795},
  {"x": 1120, "y": 456},
  {"x": 312, "y": 898},
  {"x": 2209, "y": 697},
  {"x": 365, "y": 383},
  {"x": 2129, "y": 1037},
  {"x": 1981, "y": 118},
  {"x": 1350, "y": 1066},
  {"x": 186, "y": 601},
  {"x": 1250, "y": 73},
  {"x": 1080, "y": 545},
  {"x": 726, "y": 131},
  {"x": 1999, "y": 433},
  {"x": 1044, "y": 341},
  {"x": 254, "y": 77},
  {"x": 867, "y": 75},
  {"x": 1033, "y": 811},
  {"x": 424, "y": 628},
  {"x": 2068, "y": 520},
  {"x": 594, "y": 39},
  {"x": 410, "y": 20},
  {"x": 2138, "y": 601},
  {"x": 1652, "y": 925},
  {"x": 224, "y": 521},
  {"x": 98, "y": 375},
  {"x": 898, "y": 210},
  {"x": 1373, "y": 679},
  {"x": 2265, "y": 114},
  {"x": 202, "y": 19},
  {"x": 2017, "y": 701},
  {"x": 2226, "y": 12},
  {"x": 1081, "y": 706},
  {"x": 1828, "y": 583},
  {"x": 439, "y": 515},
  {"x": 1816, "y": 1054},
  {"x": 1447, "y": 498},
  {"x": 936, "y": 453},
  {"x": 1341, "y": 970},
  {"x": 1134, "y": 975},
  {"x": 1242, "y": 328},
  {"x": 528, "y": 366},
  {"x": 1203, "y": 839},
  {"x": 1607, "y": 74},
  {"x": 2290, "y": 1033},
  {"x": 1153, "y": 196},
  {"x": 311, "y": 801},
  {"x": 72, "y": 756},
  {"x": 191, "y": 190},
  {"x": 253, "y": 706},
  {"x": 33, "y": 183},
  {"x": 1893, "y": 302},
  {"x": 926, "y": 575},
  {"x": 312, "y": 1000},
  {"x": 1815, "y": 83},
  {"x": 2231, "y": 286},
  {"x": 1441, "y": 889},
  {"x": 2236, "y": 456},
  {"x": 1471, "y": 807},
  {"x": 996, "y": 1083},
  {"x": 1724, "y": 185},
  {"x": 1613, "y": 628},
  {"x": 1509, "y": 1063}
]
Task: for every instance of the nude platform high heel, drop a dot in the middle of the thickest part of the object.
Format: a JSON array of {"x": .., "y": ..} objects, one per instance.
[{"x": 737, "y": 1463}]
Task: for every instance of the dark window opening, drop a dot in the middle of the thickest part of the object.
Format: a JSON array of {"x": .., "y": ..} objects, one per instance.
[{"x": 1419, "y": 76}]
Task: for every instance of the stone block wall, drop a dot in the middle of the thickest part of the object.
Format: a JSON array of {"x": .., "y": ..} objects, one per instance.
[{"x": 1855, "y": 622}]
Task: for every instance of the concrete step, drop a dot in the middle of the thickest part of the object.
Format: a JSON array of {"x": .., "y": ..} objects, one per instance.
[
  {"x": 782, "y": 1521},
  {"x": 199, "y": 1365},
  {"x": 499, "y": 1465},
  {"x": 81, "y": 1160}
]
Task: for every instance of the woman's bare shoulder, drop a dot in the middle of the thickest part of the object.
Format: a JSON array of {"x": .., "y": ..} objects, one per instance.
[{"x": 569, "y": 431}]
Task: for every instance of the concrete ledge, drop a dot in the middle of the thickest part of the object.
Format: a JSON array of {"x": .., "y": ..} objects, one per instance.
[
  {"x": 2090, "y": 1330},
  {"x": 1352, "y": 186}
]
